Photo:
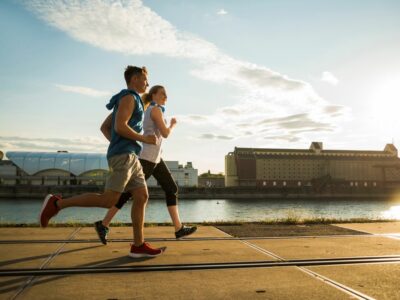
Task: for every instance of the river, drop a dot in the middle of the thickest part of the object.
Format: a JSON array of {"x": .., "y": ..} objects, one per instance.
[{"x": 26, "y": 211}]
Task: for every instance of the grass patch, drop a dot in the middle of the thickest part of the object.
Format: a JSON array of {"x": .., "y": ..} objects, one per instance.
[{"x": 290, "y": 220}]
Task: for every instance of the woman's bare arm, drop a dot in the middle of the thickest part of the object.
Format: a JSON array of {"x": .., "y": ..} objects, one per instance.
[{"x": 157, "y": 117}]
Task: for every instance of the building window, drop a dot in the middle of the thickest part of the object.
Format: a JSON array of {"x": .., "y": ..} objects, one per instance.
[
  {"x": 299, "y": 183},
  {"x": 274, "y": 183},
  {"x": 351, "y": 183},
  {"x": 356, "y": 184},
  {"x": 264, "y": 183},
  {"x": 374, "y": 183},
  {"x": 284, "y": 183},
  {"x": 365, "y": 184}
]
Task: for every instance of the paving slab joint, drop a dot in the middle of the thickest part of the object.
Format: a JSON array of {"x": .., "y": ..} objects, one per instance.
[
  {"x": 313, "y": 274},
  {"x": 31, "y": 279}
]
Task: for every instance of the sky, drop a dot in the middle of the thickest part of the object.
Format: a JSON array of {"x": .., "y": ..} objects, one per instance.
[{"x": 256, "y": 74}]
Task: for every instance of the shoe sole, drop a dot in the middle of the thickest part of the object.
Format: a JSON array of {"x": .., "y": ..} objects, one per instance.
[
  {"x": 46, "y": 200},
  {"x": 139, "y": 255},
  {"x": 103, "y": 242},
  {"x": 178, "y": 238}
]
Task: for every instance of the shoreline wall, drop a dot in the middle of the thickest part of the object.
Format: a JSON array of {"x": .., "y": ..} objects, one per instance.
[{"x": 38, "y": 192}]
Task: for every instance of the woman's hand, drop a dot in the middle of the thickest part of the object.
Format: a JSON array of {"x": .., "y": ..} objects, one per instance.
[{"x": 173, "y": 122}]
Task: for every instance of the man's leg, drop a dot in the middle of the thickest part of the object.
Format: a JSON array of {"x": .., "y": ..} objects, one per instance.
[
  {"x": 138, "y": 189},
  {"x": 147, "y": 170},
  {"x": 106, "y": 200},
  {"x": 53, "y": 204},
  {"x": 140, "y": 197},
  {"x": 140, "y": 248},
  {"x": 122, "y": 168},
  {"x": 118, "y": 177}
]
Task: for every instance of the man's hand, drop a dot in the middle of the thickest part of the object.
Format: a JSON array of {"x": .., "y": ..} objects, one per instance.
[{"x": 150, "y": 139}]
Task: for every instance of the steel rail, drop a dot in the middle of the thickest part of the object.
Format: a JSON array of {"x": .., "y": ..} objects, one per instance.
[{"x": 199, "y": 266}]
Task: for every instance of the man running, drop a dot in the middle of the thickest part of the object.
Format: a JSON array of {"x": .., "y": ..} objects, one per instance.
[{"x": 126, "y": 172}]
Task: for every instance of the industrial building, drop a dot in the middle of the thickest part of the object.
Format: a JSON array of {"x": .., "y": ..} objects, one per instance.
[
  {"x": 63, "y": 168},
  {"x": 312, "y": 167}
]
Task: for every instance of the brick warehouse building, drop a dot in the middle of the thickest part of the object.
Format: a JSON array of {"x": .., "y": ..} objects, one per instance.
[{"x": 312, "y": 167}]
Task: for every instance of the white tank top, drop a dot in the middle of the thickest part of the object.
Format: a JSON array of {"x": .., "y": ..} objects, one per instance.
[{"x": 151, "y": 152}]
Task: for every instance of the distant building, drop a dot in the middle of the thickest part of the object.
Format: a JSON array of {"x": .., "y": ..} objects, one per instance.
[
  {"x": 313, "y": 166},
  {"x": 211, "y": 180},
  {"x": 58, "y": 168},
  {"x": 183, "y": 175},
  {"x": 63, "y": 168},
  {"x": 8, "y": 172}
]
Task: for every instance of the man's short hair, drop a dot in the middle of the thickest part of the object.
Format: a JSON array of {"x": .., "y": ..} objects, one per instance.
[{"x": 133, "y": 71}]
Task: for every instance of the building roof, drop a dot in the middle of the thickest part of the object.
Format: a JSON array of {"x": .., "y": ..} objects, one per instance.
[
  {"x": 317, "y": 149},
  {"x": 75, "y": 163}
]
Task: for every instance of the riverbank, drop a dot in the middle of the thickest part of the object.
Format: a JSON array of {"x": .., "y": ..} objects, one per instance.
[
  {"x": 301, "y": 193},
  {"x": 280, "y": 222}
]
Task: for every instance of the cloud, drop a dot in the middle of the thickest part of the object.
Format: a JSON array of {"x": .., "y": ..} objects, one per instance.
[
  {"x": 83, "y": 90},
  {"x": 285, "y": 138},
  {"x": 84, "y": 144},
  {"x": 263, "y": 77},
  {"x": 328, "y": 77},
  {"x": 222, "y": 12},
  {"x": 333, "y": 109},
  {"x": 210, "y": 136},
  {"x": 229, "y": 111},
  {"x": 131, "y": 28},
  {"x": 295, "y": 122},
  {"x": 194, "y": 119}
]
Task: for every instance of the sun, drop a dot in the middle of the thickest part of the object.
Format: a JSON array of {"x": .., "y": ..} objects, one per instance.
[{"x": 385, "y": 98}]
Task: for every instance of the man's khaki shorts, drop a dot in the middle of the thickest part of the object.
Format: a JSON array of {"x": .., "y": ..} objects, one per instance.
[{"x": 126, "y": 173}]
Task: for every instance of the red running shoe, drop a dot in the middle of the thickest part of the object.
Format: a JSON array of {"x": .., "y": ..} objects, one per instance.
[
  {"x": 49, "y": 209},
  {"x": 144, "y": 251}
]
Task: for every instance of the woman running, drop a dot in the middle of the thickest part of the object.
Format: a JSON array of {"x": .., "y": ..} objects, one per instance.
[{"x": 152, "y": 163}]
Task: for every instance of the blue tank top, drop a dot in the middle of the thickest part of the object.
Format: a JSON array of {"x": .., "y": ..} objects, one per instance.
[{"x": 119, "y": 144}]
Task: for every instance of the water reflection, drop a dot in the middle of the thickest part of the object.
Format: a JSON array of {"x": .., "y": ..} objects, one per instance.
[{"x": 392, "y": 213}]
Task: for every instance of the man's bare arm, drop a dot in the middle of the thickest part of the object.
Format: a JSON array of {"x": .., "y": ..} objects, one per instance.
[
  {"x": 105, "y": 128},
  {"x": 124, "y": 113}
]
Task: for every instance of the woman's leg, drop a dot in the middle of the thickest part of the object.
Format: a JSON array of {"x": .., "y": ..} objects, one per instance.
[
  {"x": 113, "y": 210},
  {"x": 174, "y": 213},
  {"x": 102, "y": 226},
  {"x": 109, "y": 216},
  {"x": 162, "y": 174}
]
